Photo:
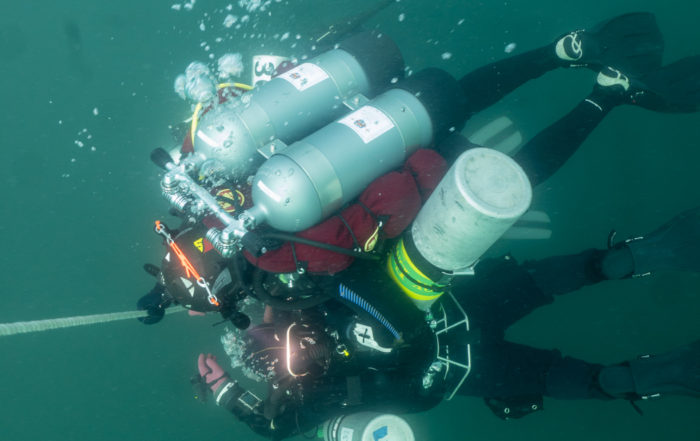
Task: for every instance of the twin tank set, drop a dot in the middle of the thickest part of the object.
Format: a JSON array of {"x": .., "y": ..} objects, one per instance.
[{"x": 315, "y": 136}]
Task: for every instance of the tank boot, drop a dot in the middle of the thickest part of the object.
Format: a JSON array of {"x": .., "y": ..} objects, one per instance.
[
  {"x": 651, "y": 376},
  {"x": 671, "y": 247}
]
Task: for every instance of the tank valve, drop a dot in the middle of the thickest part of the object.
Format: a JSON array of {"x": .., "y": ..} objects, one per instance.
[
  {"x": 169, "y": 185},
  {"x": 224, "y": 243},
  {"x": 178, "y": 201}
]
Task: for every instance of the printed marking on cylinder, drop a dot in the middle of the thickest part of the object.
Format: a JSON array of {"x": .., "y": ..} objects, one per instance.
[
  {"x": 380, "y": 433},
  {"x": 304, "y": 76},
  {"x": 368, "y": 122},
  {"x": 346, "y": 434},
  {"x": 438, "y": 230}
]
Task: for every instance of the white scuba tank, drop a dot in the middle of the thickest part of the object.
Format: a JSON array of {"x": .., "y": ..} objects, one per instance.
[
  {"x": 367, "y": 426},
  {"x": 482, "y": 195}
]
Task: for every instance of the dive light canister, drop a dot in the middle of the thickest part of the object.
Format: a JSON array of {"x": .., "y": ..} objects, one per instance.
[
  {"x": 367, "y": 426},
  {"x": 482, "y": 195},
  {"x": 295, "y": 103}
]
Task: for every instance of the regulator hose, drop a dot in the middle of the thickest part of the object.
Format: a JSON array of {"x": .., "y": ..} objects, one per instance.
[{"x": 325, "y": 246}]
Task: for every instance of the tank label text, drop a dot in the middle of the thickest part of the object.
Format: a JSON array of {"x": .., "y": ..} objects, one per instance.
[
  {"x": 304, "y": 76},
  {"x": 368, "y": 122}
]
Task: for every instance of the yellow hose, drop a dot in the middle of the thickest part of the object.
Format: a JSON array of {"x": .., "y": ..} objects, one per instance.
[{"x": 198, "y": 107}]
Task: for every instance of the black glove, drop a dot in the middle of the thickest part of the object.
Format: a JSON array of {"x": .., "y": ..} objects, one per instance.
[{"x": 154, "y": 303}]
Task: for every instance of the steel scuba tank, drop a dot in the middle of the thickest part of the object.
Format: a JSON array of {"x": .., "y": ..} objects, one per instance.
[{"x": 367, "y": 426}]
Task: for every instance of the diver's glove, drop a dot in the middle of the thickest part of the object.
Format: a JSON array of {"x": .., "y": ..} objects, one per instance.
[
  {"x": 227, "y": 393},
  {"x": 154, "y": 303},
  {"x": 213, "y": 375}
]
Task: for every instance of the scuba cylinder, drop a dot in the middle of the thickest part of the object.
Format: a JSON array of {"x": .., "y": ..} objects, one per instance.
[
  {"x": 303, "y": 183},
  {"x": 296, "y": 102},
  {"x": 480, "y": 197},
  {"x": 366, "y": 426},
  {"x": 314, "y": 177}
]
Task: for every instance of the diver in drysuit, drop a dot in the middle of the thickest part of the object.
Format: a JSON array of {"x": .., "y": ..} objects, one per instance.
[
  {"x": 511, "y": 377},
  {"x": 346, "y": 359}
]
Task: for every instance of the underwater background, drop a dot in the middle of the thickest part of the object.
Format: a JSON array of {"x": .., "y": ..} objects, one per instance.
[{"x": 88, "y": 93}]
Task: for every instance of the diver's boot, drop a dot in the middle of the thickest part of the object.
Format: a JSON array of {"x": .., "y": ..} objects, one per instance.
[
  {"x": 612, "y": 79},
  {"x": 675, "y": 246},
  {"x": 674, "y": 373},
  {"x": 611, "y": 89},
  {"x": 569, "y": 48},
  {"x": 674, "y": 88}
]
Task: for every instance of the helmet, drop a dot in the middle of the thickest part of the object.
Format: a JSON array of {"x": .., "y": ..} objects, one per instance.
[
  {"x": 182, "y": 285},
  {"x": 224, "y": 140}
]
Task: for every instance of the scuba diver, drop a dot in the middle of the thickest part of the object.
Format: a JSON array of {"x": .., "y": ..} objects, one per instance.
[
  {"x": 339, "y": 335},
  {"x": 325, "y": 354},
  {"x": 332, "y": 355}
]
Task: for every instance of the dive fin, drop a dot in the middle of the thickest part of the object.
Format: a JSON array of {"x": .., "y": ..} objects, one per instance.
[
  {"x": 676, "y": 372},
  {"x": 673, "y": 246},
  {"x": 674, "y": 88}
]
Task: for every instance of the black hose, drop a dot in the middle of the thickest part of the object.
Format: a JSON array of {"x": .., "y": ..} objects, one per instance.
[{"x": 325, "y": 246}]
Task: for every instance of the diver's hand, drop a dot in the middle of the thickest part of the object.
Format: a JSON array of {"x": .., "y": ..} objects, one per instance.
[
  {"x": 210, "y": 370},
  {"x": 154, "y": 304}
]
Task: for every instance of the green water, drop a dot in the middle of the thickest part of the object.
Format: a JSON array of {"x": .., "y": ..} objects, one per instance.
[{"x": 77, "y": 224}]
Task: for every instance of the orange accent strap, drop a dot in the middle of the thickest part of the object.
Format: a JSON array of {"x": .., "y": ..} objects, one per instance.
[
  {"x": 184, "y": 261},
  {"x": 190, "y": 271}
]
